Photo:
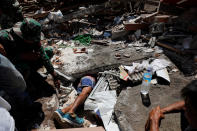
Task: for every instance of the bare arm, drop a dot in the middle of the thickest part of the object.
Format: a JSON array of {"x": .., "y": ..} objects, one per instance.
[
  {"x": 154, "y": 125},
  {"x": 157, "y": 114},
  {"x": 2, "y": 50},
  {"x": 175, "y": 107}
]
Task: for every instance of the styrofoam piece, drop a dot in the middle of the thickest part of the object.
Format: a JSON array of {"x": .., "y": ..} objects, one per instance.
[
  {"x": 6, "y": 122},
  {"x": 163, "y": 73}
]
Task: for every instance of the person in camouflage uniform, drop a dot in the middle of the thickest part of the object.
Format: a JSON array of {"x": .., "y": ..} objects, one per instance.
[
  {"x": 21, "y": 44},
  {"x": 10, "y": 13}
]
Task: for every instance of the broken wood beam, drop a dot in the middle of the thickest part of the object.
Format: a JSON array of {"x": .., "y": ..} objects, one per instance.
[
  {"x": 134, "y": 26},
  {"x": 168, "y": 47},
  {"x": 100, "y": 42},
  {"x": 164, "y": 45}
]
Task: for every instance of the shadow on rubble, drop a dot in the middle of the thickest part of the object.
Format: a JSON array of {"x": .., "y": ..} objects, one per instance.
[
  {"x": 37, "y": 87},
  {"x": 184, "y": 62},
  {"x": 30, "y": 116},
  {"x": 27, "y": 117}
]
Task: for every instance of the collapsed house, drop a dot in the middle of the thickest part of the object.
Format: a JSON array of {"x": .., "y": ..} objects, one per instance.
[{"x": 118, "y": 41}]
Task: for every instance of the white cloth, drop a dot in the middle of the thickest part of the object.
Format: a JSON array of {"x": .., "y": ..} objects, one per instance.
[
  {"x": 4, "y": 104},
  {"x": 136, "y": 67},
  {"x": 6, "y": 122}
]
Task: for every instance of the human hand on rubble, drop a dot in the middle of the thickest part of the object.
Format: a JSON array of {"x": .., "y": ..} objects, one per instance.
[
  {"x": 153, "y": 120},
  {"x": 56, "y": 80},
  {"x": 2, "y": 50},
  {"x": 57, "y": 83},
  {"x": 156, "y": 114}
]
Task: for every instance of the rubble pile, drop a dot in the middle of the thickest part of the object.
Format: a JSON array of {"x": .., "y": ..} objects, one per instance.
[
  {"x": 86, "y": 30},
  {"x": 118, "y": 41}
]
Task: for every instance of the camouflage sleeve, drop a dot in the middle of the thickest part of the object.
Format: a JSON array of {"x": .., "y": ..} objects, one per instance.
[
  {"x": 46, "y": 60},
  {"x": 6, "y": 42}
]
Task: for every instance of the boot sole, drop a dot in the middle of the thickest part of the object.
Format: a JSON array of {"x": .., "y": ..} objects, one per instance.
[{"x": 63, "y": 122}]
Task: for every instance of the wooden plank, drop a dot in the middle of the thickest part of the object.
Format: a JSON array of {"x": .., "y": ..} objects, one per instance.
[{"x": 76, "y": 129}]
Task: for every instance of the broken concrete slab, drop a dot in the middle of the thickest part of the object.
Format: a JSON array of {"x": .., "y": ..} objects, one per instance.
[
  {"x": 100, "y": 59},
  {"x": 132, "y": 114}
]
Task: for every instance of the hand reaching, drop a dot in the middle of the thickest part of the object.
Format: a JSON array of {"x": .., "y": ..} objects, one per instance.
[
  {"x": 57, "y": 83},
  {"x": 153, "y": 120}
]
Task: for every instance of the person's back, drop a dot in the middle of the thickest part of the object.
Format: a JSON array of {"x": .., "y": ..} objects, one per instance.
[{"x": 10, "y": 79}]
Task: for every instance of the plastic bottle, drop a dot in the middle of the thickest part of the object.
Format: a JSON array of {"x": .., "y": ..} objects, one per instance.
[{"x": 146, "y": 81}]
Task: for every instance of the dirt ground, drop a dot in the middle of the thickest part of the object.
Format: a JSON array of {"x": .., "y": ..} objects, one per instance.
[{"x": 102, "y": 58}]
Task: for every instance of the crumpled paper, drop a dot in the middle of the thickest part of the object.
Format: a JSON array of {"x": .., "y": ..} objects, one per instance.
[
  {"x": 136, "y": 67},
  {"x": 156, "y": 65}
]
